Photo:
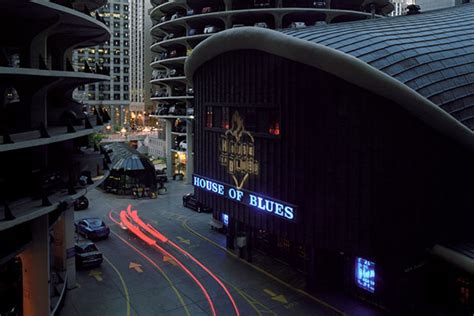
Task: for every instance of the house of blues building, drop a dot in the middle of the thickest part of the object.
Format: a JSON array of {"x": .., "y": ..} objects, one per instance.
[{"x": 346, "y": 150}]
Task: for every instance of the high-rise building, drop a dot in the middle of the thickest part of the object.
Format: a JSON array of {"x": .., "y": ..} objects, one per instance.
[
  {"x": 140, "y": 55},
  {"x": 45, "y": 167},
  {"x": 178, "y": 27},
  {"x": 114, "y": 55}
]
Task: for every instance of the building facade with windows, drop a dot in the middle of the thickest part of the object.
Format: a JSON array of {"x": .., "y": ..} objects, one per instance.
[
  {"x": 346, "y": 153},
  {"x": 178, "y": 27},
  {"x": 140, "y": 40},
  {"x": 43, "y": 137},
  {"x": 113, "y": 56}
]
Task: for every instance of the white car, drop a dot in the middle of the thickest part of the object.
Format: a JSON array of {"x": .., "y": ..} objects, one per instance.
[
  {"x": 183, "y": 145},
  {"x": 261, "y": 24},
  {"x": 296, "y": 25}
]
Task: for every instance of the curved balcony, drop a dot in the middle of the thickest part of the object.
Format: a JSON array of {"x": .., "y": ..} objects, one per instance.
[
  {"x": 170, "y": 80},
  {"x": 227, "y": 17},
  {"x": 169, "y": 62},
  {"x": 91, "y": 5},
  {"x": 64, "y": 27},
  {"x": 27, "y": 209},
  {"x": 35, "y": 138},
  {"x": 47, "y": 76},
  {"x": 168, "y": 7},
  {"x": 186, "y": 41},
  {"x": 172, "y": 99}
]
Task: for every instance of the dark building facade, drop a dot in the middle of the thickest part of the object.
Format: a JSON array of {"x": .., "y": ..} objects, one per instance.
[{"x": 324, "y": 161}]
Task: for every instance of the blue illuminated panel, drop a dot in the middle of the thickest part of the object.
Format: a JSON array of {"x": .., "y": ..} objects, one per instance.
[
  {"x": 225, "y": 219},
  {"x": 365, "y": 274}
]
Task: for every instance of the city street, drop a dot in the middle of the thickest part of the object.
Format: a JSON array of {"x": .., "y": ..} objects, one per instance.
[{"x": 139, "y": 279}]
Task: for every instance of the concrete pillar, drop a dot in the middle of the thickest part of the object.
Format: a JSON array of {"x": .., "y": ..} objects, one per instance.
[
  {"x": 228, "y": 5},
  {"x": 169, "y": 153},
  {"x": 39, "y": 108},
  {"x": 63, "y": 233},
  {"x": 189, "y": 151},
  {"x": 35, "y": 262},
  {"x": 38, "y": 45}
]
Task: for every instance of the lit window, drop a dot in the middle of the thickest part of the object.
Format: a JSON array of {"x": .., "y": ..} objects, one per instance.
[
  {"x": 225, "y": 118},
  {"x": 209, "y": 117},
  {"x": 365, "y": 274}
]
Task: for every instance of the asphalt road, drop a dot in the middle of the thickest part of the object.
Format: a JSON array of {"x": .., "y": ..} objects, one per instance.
[{"x": 137, "y": 278}]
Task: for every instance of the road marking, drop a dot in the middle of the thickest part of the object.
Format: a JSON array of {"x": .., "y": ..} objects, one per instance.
[
  {"x": 184, "y": 241},
  {"x": 279, "y": 298},
  {"x": 180, "y": 297},
  {"x": 168, "y": 259},
  {"x": 268, "y": 274},
  {"x": 136, "y": 266},
  {"x": 124, "y": 285},
  {"x": 96, "y": 274}
]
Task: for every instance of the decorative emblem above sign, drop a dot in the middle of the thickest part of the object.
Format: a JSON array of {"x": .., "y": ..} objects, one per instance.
[{"x": 237, "y": 152}]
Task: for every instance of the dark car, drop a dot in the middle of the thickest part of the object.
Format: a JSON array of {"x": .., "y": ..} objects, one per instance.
[
  {"x": 190, "y": 201},
  {"x": 87, "y": 254},
  {"x": 92, "y": 228},
  {"x": 81, "y": 203}
]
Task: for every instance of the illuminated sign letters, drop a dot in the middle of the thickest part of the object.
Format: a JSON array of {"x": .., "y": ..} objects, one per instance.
[
  {"x": 254, "y": 200},
  {"x": 365, "y": 274}
]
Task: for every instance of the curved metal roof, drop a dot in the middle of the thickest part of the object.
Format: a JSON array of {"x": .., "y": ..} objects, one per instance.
[{"x": 432, "y": 53}]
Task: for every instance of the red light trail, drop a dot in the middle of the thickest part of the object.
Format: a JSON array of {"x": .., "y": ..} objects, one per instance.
[
  {"x": 155, "y": 233},
  {"x": 136, "y": 230},
  {"x": 125, "y": 217}
]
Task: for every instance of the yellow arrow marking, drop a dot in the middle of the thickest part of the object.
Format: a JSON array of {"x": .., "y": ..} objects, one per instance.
[
  {"x": 168, "y": 259},
  {"x": 135, "y": 266},
  {"x": 279, "y": 298},
  {"x": 184, "y": 241},
  {"x": 96, "y": 274}
]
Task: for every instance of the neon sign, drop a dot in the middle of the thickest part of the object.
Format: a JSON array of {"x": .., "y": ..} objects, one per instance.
[
  {"x": 365, "y": 274},
  {"x": 256, "y": 201},
  {"x": 237, "y": 152}
]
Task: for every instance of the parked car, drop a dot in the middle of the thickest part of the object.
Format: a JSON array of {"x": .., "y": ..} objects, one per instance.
[
  {"x": 163, "y": 111},
  {"x": 190, "y": 12},
  {"x": 176, "y": 15},
  {"x": 261, "y": 24},
  {"x": 238, "y": 25},
  {"x": 92, "y": 228},
  {"x": 174, "y": 110},
  {"x": 207, "y": 10},
  {"x": 169, "y": 36},
  {"x": 296, "y": 25},
  {"x": 81, "y": 203},
  {"x": 190, "y": 201},
  {"x": 261, "y": 3},
  {"x": 183, "y": 146},
  {"x": 319, "y": 4},
  {"x": 192, "y": 32},
  {"x": 209, "y": 29},
  {"x": 87, "y": 254}
]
